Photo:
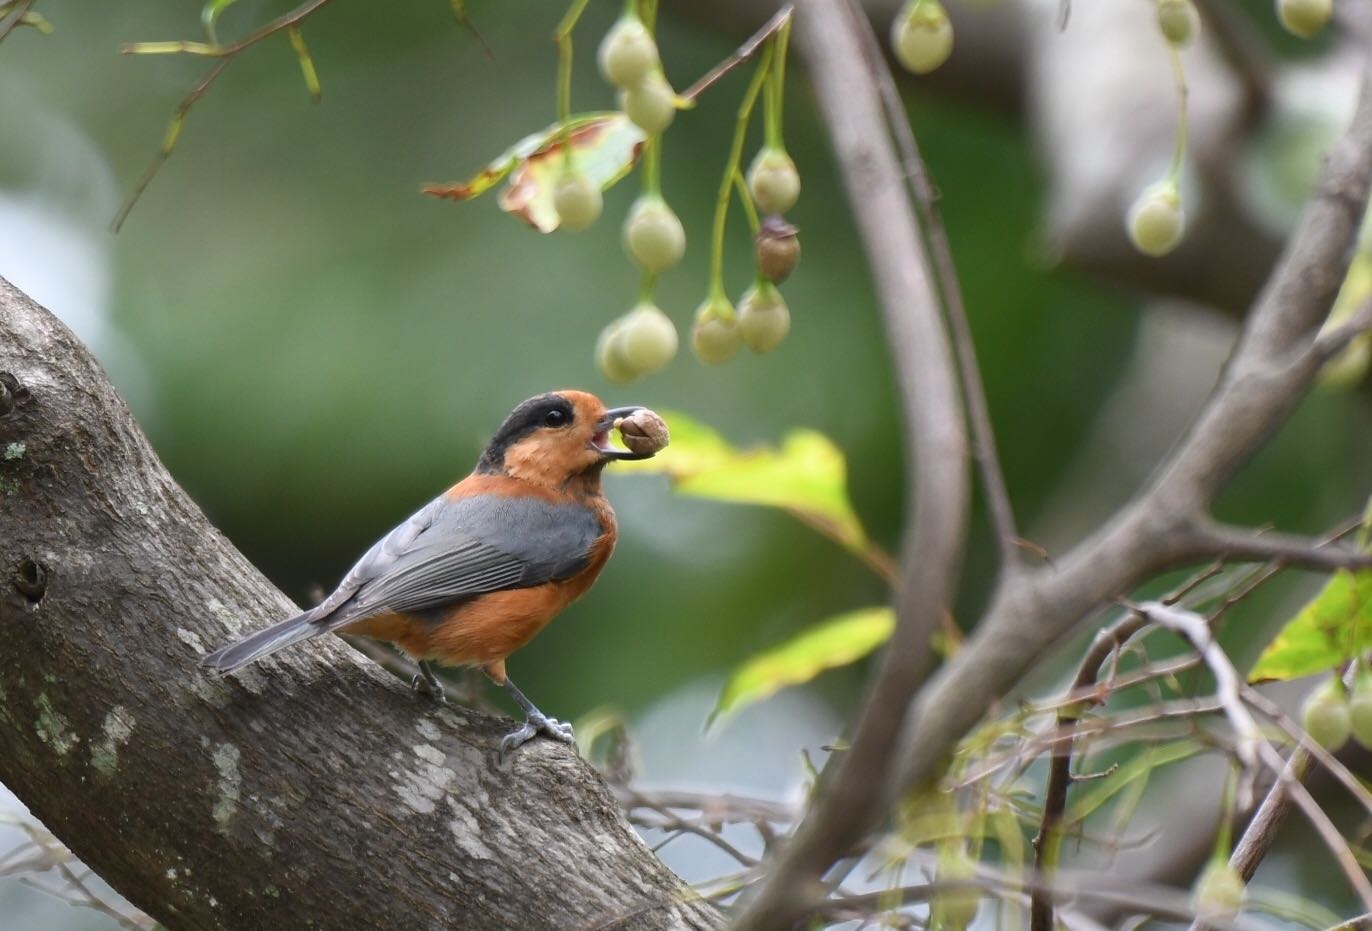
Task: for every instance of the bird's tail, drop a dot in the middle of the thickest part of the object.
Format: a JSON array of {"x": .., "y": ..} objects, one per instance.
[{"x": 255, "y": 646}]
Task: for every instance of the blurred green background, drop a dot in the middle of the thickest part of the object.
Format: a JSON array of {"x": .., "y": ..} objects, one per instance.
[{"x": 315, "y": 349}]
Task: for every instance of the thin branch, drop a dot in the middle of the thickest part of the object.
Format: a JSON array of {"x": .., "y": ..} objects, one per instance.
[
  {"x": 742, "y": 54},
  {"x": 926, "y": 199},
  {"x": 1228, "y": 684},
  {"x": 1107, "y": 641},
  {"x": 936, "y": 481},
  {"x": 1239, "y": 543},
  {"x": 226, "y": 55},
  {"x": 15, "y": 16}
]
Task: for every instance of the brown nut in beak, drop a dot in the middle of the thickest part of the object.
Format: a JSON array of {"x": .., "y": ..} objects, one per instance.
[{"x": 644, "y": 432}]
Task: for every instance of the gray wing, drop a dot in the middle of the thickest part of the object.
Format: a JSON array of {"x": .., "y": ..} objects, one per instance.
[{"x": 450, "y": 550}]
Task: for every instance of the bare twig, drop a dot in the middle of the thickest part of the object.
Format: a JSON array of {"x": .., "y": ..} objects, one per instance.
[
  {"x": 998, "y": 505},
  {"x": 1107, "y": 641},
  {"x": 1228, "y": 684},
  {"x": 742, "y": 54},
  {"x": 226, "y": 55},
  {"x": 11, "y": 15},
  {"x": 1233, "y": 544}
]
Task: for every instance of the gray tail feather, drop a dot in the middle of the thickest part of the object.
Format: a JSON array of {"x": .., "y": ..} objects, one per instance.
[{"x": 269, "y": 640}]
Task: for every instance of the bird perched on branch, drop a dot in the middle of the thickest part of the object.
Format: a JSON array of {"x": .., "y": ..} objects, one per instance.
[{"x": 476, "y": 573}]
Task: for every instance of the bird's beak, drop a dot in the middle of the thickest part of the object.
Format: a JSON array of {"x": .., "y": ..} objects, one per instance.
[{"x": 601, "y": 441}]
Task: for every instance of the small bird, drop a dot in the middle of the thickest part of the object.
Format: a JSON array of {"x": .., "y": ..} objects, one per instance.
[{"x": 474, "y": 574}]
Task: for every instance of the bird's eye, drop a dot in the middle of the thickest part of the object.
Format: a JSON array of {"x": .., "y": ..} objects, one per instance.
[{"x": 555, "y": 418}]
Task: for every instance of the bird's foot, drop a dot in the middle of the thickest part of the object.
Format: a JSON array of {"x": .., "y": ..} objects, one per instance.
[
  {"x": 536, "y": 724},
  {"x": 426, "y": 683}
]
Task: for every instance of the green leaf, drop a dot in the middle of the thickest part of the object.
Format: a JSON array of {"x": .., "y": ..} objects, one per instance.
[
  {"x": 209, "y": 14},
  {"x": 806, "y": 476},
  {"x": 604, "y": 146},
  {"x": 835, "y": 642},
  {"x": 1333, "y": 628}
]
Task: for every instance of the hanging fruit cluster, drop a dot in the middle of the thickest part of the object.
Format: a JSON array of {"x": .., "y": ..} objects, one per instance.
[
  {"x": 556, "y": 179},
  {"x": 644, "y": 340},
  {"x": 922, "y": 39}
]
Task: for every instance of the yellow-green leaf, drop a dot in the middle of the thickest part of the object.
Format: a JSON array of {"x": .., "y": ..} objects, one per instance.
[
  {"x": 1333, "y": 628},
  {"x": 806, "y": 475},
  {"x": 835, "y": 642},
  {"x": 604, "y": 146}
]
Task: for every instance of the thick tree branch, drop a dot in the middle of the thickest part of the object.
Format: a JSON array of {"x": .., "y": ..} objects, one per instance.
[{"x": 311, "y": 791}]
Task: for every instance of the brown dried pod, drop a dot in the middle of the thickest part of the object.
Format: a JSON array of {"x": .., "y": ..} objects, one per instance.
[
  {"x": 778, "y": 249},
  {"x": 644, "y": 432}
]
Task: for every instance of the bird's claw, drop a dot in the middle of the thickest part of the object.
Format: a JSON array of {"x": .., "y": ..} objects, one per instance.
[
  {"x": 531, "y": 728},
  {"x": 430, "y": 686}
]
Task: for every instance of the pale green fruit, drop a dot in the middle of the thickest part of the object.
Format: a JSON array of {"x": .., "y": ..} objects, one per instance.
[
  {"x": 1218, "y": 894},
  {"x": 1156, "y": 220},
  {"x": 1304, "y": 18},
  {"x": 763, "y": 318},
  {"x": 628, "y": 53},
  {"x": 953, "y": 909},
  {"x": 1178, "y": 21},
  {"x": 922, "y": 36},
  {"x": 1326, "y": 717},
  {"x": 649, "y": 339},
  {"x": 1360, "y": 709},
  {"x": 577, "y": 200},
  {"x": 610, "y": 355},
  {"x": 773, "y": 181},
  {"x": 650, "y": 104},
  {"x": 653, "y": 234},
  {"x": 715, "y": 338}
]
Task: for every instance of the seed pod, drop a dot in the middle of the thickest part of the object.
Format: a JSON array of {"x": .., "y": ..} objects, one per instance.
[
  {"x": 922, "y": 36},
  {"x": 628, "y": 53},
  {"x": 777, "y": 248},
  {"x": 1218, "y": 894},
  {"x": 763, "y": 318},
  {"x": 773, "y": 180},
  {"x": 1156, "y": 220},
  {"x": 1360, "y": 709},
  {"x": 644, "y": 432},
  {"x": 648, "y": 338},
  {"x": 1178, "y": 21},
  {"x": 577, "y": 200},
  {"x": 650, "y": 104},
  {"x": 715, "y": 337},
  {"x": 1326, "y": 716},
  {"x": 609, "y": 354},
  {"x": 1304, "y": 18},
  {"x": 653, "y": 234}
]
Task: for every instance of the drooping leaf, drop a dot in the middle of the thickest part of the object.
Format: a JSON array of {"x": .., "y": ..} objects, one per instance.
[
  {"x": 603, "y": 145},
  {"x": 835, "y": 642},
  {"x": 1334, "y": 627},
  {"x": 806, "y": 475}
]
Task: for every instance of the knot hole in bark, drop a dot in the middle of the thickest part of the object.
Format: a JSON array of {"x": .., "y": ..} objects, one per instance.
[
  {"x": 31, "y": 580},
  {"x": 12, "y": 394}
]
